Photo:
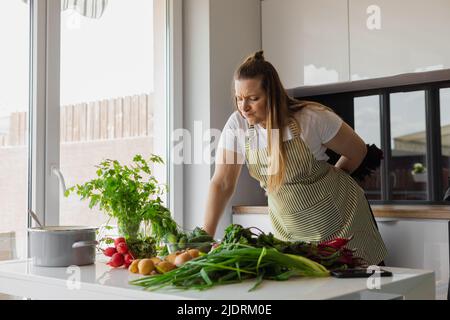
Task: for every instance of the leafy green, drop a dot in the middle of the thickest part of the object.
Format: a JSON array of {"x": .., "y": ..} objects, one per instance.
[
  {"x": 328, "y": 256},
  {"x": 142, "y": 248},
  {"x": 131, "y": 194}
]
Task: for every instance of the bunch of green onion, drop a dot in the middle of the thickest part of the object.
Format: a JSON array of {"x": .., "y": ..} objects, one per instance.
[{"x": 233, "y": 264}]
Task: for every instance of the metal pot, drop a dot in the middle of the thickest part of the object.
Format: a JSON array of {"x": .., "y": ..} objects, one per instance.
[{"x": 62, "y": 246}]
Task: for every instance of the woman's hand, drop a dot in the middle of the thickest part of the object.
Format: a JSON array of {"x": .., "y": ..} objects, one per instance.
[{"x": 350, "y": 146}]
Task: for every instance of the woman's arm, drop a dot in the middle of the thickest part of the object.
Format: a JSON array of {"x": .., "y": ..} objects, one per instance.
[
  {"x": 350, "y": 146},
  {"x": 221, "y": 188}
]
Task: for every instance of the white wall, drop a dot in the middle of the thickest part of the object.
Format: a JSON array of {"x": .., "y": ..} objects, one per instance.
[{"x": 217, "y": 36}]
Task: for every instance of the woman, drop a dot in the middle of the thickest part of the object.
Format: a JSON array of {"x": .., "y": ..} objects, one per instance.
[{"x": 283, "y": 142}]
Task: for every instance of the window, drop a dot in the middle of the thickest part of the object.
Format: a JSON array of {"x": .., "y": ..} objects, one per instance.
[
  {"x": 111, "y": 93},
  {"x": 367, "y": 126},
  {"x": 445, "y": 136},
  {"x": 14, "y": 84},
  {"x": 408, "y": 163},
  {"x": 411, "y": 124}
]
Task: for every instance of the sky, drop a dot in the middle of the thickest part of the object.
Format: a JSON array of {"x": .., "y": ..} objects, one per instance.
[{"x": 100, "y": 58}]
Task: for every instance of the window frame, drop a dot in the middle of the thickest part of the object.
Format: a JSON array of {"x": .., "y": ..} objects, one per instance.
[
  {"x": 43, "y": 193},
  {"x": 174, "y": 52}
]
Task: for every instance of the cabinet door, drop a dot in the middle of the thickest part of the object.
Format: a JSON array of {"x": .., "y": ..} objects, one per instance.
[
  {"x": 402, "y": 36},
  {"x": 307, "y": 41},
  {"x": 258, "y": 220},
  {"x": 418, "y": 244}
]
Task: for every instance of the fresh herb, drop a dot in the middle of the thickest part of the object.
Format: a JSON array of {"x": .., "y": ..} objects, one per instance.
[
  {"x": 142, "y": 248},
  {"x": 237, "y": 234},
  {"x": 131, "y": 194}
]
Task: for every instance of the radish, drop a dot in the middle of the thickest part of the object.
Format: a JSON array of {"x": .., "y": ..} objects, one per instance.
[
  {"x": 122, "y": 248},
  {"x": 109, "y": 251},
  {"x": 118, "y": 240},
  {"x": 116, "y": 261},
  {"x": 128, "y": 259}
]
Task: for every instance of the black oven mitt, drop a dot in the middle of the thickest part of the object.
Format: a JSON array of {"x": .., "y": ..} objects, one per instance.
[{"x": 370, "y": 164}]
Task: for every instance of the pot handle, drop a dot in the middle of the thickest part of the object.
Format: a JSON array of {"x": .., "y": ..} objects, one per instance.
[{"x": 81, "y": 244}]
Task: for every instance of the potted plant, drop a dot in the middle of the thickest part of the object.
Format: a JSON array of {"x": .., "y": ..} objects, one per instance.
[
  {"x": 132, "y": 195},
  {"x": 419, "y": 172}
]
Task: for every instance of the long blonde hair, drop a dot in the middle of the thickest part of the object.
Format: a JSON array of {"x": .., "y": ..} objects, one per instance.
[{"x": 280, "y": 109}]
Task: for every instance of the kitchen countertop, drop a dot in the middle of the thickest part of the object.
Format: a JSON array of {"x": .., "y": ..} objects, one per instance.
[
  {"x": 99, "y": 281},
  {"x": 439, "y": 212}
]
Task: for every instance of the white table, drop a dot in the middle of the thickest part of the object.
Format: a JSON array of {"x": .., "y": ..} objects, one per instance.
[{"x": 99, "y": 281}]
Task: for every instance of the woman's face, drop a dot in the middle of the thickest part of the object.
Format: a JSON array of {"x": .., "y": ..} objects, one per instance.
[{"x": 251, "y": 100}]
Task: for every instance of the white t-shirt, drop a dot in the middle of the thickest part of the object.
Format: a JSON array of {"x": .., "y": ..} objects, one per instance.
[{"x": 318, "y": 126}]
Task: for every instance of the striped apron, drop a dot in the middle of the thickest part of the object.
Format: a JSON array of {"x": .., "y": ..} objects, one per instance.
[{"x": 317, "y": 201}]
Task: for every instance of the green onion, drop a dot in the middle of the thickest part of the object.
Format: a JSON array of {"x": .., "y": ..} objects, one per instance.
[{"x": 233, "y": 264}]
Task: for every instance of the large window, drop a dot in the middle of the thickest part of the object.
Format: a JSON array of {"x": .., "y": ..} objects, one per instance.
[
  {"x": 109, "y": 100},
  {"x": 96, "y": 88},
  {"x": 14, "y": 84}
]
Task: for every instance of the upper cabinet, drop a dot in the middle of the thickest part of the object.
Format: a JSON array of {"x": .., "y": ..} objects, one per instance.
[
  {"x": 307, "y": 41},
  {"x": 394, "y": 37},
  {"x": 329, "y": 41}
]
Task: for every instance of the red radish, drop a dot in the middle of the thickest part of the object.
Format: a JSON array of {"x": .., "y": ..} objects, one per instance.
[
  {"x": 128, "y": 259},
  {"x": 116, "y": 261},
  {"x": 109, "y": 251},
  {"x": 118, "y": 240},
  {"x": 122, "y": 248},
  {"x": 336, "y": 243}
]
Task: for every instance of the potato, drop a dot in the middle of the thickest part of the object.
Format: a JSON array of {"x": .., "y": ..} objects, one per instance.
[
  {"x": 165, "y": 266},
  {"x": 146, "y": 266},
  {"x": 134, "y": 266},
  {"x": 182, "y": 259},
  {"x": 194, "y": 253},
  {"x": 171, "y": 257},
  {"x": 155, "y": 260}
]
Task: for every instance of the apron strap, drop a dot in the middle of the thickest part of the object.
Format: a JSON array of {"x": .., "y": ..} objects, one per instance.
[
  {"x": 249, "y": 135},
  {"x": 294, "y": 127}
]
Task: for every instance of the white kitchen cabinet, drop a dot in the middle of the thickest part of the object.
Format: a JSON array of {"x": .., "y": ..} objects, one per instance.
[
  {"x": 421, "y": 244},
  {"x": 331, "y": 41},
  {"x": 307, "y": 41},
  {"x": 394, "y": 37},
  {"x": 258, "y": 220}
]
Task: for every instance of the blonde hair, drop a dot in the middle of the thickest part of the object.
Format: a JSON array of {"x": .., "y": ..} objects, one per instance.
[{"x": 280, "y": 110}]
